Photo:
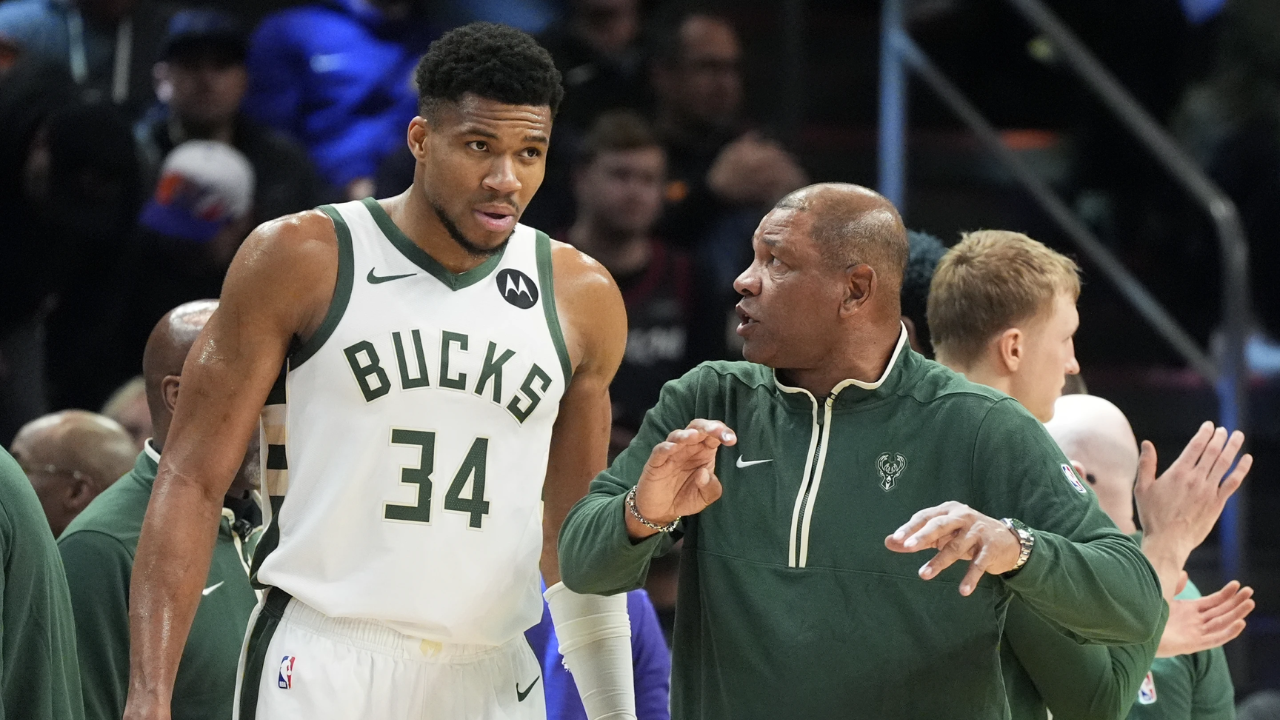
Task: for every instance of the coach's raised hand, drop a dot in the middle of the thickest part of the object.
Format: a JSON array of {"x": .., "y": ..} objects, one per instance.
[
  {"x": 958, "y": 532},
  {"x": 680, "y": 477}
]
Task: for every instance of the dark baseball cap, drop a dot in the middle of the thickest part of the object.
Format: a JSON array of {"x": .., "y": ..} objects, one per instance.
[{"x": 205, "y": 31}]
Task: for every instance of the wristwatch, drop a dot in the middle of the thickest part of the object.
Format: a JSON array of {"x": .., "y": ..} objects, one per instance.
[
  {"x": 635, "y": 512},
  {"x": 1026, "y": 540}
]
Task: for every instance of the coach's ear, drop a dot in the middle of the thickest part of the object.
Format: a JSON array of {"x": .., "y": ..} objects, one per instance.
[
  {"x": 417, "y": 136},
  {"x": 1009, "y": 349},
  {"x": 169, "y": 391},
  {"x": 860, "y": 286}
]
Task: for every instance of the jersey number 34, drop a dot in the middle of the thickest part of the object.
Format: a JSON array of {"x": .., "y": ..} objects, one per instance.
[{"x": 473, "y": 469}]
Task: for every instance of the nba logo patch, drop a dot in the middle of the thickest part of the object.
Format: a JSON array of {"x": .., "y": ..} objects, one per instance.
[
  {"x": 1075, "y": 481},
  {"x": 1147, "y": 693},
  {"x": 285, "y": 680}
]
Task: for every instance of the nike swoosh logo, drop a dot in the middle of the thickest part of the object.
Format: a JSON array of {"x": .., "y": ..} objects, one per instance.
[
  {"x": 748, "y": 463},
  {"x": 375, "y": 279},
  {"x": 520, "y": 696},
  {"x": 211, "y": 588}
]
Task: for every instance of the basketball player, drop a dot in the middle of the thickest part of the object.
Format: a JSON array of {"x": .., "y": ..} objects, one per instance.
[{"x": 439, "y": 360}]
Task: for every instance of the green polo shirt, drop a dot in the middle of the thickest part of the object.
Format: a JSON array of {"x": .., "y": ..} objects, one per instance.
[
  {"x": 38, "y": 675},
  {"x": 98, "y": 549},
  {"x": 789, "y": 603}
]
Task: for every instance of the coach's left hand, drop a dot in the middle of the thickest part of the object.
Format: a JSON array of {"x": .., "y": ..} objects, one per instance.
[{"x": 958, "y": 532}]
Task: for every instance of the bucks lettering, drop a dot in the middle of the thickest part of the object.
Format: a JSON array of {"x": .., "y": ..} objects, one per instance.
[{"x": 457, "y": 366}]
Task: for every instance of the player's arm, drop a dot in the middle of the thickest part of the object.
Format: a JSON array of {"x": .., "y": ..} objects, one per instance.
[
  {"x": 1083, "y": 573},
  {"x": 594, "y": 632},
  {"x": 278, "y": 288},
  {"x": 1077, "y": 682},
  {"x": 594, "y": 321}
]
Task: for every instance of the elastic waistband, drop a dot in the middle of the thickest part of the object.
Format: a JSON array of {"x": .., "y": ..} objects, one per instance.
[{"x": 374, "y": 636}]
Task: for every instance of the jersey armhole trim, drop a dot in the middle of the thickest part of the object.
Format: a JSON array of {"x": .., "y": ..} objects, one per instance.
[
  {"x": 546, "y": 280},
  {"x": 341, "y": 291}
]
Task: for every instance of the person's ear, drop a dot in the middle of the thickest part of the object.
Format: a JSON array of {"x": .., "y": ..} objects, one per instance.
[
  {"x": 860, "y": 284},
  {"x": 1079, "y": 468},
  {"x": 169, "y": 391},
  {"x": 1010, "y": 349},
  {"x": 79, "y": 494},
  {"x": 418, "y": 134}
]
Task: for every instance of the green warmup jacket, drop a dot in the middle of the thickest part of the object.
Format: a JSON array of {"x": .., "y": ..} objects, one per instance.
[
  {"x": 98, "y": 549},
  {"x": 789, "y": 603},
  {"x": 38, "y": 675}
]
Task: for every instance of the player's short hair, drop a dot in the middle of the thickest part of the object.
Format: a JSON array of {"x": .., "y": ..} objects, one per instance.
[
  {"x": 924, "y": 253},
  {"x": 990, "y": 281},
  {"x": 617, "y": 131},
  {"x": 492, "y": 61}
]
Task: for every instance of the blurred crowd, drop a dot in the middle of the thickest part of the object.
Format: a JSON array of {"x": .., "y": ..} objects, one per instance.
[{"x": 141, "y": 143}]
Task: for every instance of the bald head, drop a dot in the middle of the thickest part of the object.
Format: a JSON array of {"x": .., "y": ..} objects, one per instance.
[
  {"x": 70, "y": 457},
  {"x": 1095, "y": 434},
  {"x": 852, "y": 225},
  {"x": 162, "y": 361}
]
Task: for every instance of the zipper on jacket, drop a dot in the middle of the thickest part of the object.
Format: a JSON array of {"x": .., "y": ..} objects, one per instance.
[{"x": 822, "y": 426}]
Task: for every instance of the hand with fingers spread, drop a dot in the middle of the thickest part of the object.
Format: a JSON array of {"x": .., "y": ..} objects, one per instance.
[
  {"x": 680, "y": 477},
  {"x": 958, "y": 532},
  {"x": 1206, "y": 622},
  {"x": 1179, "y": 508}
]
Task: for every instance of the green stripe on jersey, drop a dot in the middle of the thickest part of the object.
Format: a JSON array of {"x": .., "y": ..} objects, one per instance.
[
  {"x": 341, "y": 290},
  {"x": 546, "y": 282},
  {"x": 255, "y": 654},
  {"x": 419, "y": 257}
]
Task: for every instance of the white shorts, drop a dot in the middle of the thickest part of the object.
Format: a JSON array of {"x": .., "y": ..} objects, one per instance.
[{"x": 298, "y": 664}]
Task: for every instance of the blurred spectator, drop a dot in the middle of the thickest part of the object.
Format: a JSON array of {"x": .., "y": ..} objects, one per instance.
[
  {"x": 1231, "y": 123},
  {"x": 618, "y": 185},
  {"x": 81, "y": 185},
  {"x": 925, "y": 252},
  {"x": 30, "y": 91},
  {"x": 202, "y": 75},
  {"x": 187, "y": 234},
  {"x": 108, "y": 46},
  {"x": 338, "y": 76},
  {"x": 650, "y": 661},
  {"x": 70, "y": 457},
  {"x": 716, "y": 164},
  {"x": 128, "y": 406},
  {"x": 98, "y": 550},
  {"x": 597, "y": 52},
  {"x": 39, "y": 678}
]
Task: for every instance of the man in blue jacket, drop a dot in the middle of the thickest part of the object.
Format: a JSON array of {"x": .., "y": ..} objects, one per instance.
[{"x": 337, "y": 75}]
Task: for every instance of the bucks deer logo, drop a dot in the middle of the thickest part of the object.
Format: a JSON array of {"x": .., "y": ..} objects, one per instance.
[{"x": 890, "y": 467}]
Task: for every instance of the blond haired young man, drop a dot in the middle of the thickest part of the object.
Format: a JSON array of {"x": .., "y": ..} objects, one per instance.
[{"x": 1002, "y": 311}]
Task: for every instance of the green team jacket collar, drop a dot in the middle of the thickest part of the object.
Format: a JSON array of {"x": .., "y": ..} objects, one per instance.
[{"x": 856, "y": 393}]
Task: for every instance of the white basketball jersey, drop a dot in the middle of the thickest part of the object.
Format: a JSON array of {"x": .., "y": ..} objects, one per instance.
[{"x": 413, "y": 438}]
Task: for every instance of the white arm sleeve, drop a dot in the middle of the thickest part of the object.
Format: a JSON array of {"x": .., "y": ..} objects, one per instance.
[{"x": 595, "y": 639}]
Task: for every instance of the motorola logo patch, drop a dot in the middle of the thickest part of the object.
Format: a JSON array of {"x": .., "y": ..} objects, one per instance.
[{"x": 517, "y": 288}]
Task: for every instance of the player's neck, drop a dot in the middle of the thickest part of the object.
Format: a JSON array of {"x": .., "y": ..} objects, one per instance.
[
  {"x": 415, "y": 217},
  {"x": 621, "y": 254},
  {"x": 980, "y": 372}
]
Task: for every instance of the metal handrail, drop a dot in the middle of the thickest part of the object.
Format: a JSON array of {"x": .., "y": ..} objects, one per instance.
[{"x": 1228, "y": 375}]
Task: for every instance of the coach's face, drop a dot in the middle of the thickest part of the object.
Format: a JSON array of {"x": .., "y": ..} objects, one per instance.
[
  {"x": 791, "y": 298},
  {"x": 480, "y": 162}
]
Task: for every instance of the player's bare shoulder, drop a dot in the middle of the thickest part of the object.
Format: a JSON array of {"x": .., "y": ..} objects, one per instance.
[
  {"x": 590, "y": 306},
  {"x": 287, "y": 268}
]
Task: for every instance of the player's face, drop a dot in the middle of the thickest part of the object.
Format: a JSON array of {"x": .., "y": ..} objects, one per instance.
[
  {"x": 480, "y": 166},
  {"x": 1049, "y": 356},
  {"x": 622, "y": 190},
  {"x": 791, "y": 297}
]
